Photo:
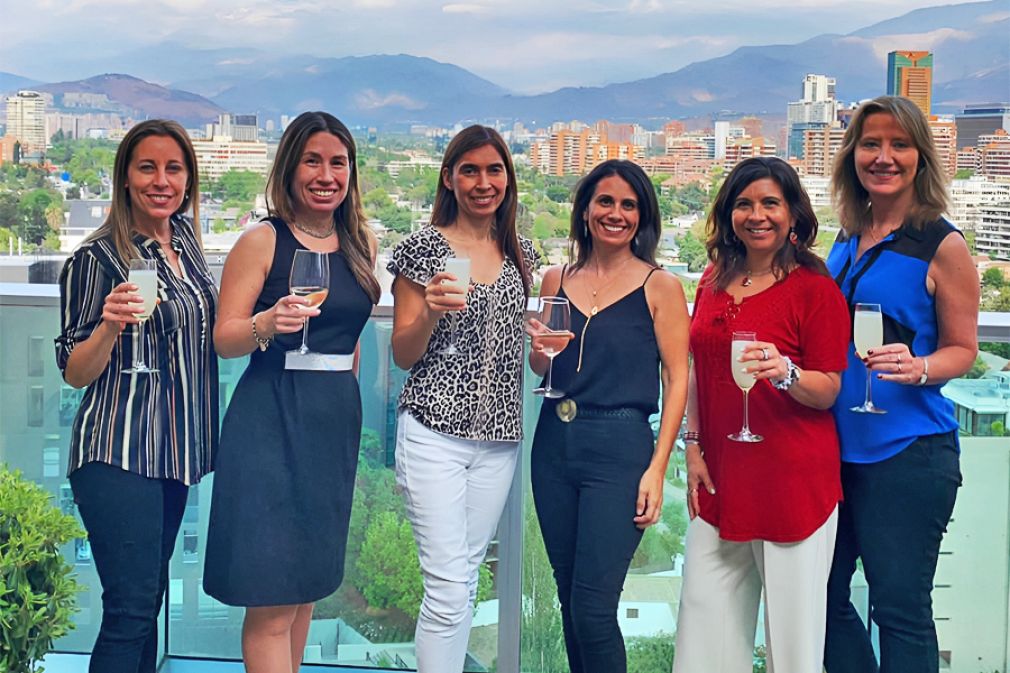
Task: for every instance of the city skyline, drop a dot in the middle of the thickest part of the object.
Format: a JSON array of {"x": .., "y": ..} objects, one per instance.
[{"x": 522, "y": 46}]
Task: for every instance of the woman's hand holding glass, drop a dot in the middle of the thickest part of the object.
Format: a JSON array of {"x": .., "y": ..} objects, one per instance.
[
  {"x": 122, "y": 306},
  {"x": 765, "y": 361},
  {"x": 442, "y": 295},
  {"x": 895, "y": 363}
]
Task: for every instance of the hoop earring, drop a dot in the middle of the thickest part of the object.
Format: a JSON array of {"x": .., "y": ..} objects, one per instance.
[{"x": 793, "y": 238}]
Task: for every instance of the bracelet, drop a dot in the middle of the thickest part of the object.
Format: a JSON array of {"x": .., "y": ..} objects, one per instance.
[
  {"x": 925, "y": 372},
  {"x": 692, "y": 436},
  {"x": 260, "y": 341}
]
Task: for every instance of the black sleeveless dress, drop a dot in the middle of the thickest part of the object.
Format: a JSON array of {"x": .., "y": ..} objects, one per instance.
[{"x": 288, "y": 457}]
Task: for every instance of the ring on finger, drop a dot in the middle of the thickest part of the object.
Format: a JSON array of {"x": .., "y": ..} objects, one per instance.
[
  {"x": 899, "y": 366},
  {"x": 899, "y": 359},
  {"x": 764, "y": 354},
  {"x": 693, "y": 491}
]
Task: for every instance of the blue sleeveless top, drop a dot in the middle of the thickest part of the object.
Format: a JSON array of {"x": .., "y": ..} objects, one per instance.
[{"x": 892, "y": 274}]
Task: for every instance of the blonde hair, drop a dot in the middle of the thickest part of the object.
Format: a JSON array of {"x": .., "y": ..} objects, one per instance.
[
  {"x": 119, "y": 223},
  {"x": 853, "y": 201}
]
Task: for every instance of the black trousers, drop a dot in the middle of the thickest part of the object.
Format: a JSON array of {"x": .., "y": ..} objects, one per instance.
[
  {"x": 585, "y": 477},
  {"x": 894, "y": 516},
  {"x": 132, "y": 523}
]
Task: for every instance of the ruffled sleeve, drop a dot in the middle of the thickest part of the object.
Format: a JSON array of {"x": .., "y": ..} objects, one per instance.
[{"x": 415, "y": 258}]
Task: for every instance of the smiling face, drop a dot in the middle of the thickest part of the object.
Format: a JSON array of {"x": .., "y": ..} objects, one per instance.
[
  {"x": 613, "y": 213},
  {"x": 156, "y": 180},
  {"x": 320, "y": 181},
  {"x": 761, "y": 218},
  {"x": 886, "y": 158},
  {"x": 479, "y": 183}
]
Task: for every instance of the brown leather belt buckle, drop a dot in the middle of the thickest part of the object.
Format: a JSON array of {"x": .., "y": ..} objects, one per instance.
[{"x": 566, "y": 410}]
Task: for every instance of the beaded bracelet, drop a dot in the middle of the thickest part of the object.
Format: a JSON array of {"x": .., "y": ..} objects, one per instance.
[
  {"x": 260, "y": 341},
  {"x": 692, "y": 436}
]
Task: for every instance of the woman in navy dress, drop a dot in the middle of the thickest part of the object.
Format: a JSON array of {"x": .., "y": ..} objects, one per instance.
[{"x": 282, "y": 496}]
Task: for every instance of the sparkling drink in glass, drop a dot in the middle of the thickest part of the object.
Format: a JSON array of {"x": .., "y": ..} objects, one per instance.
[
  {"x": 459, "y": 267},
  {"x": 867, "y": 333},
  {"x": 143, "y": 274},
  {"x": 556, "y": 318},
  {"x": 744, "y": 380},
  {"x": 310, "y": 278}
]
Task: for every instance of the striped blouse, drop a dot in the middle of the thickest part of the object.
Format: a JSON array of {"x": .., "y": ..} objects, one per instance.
[{"x": 162, "y": 425}]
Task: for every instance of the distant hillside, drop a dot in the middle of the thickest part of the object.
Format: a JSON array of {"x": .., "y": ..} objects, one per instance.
[
  {"x": 10, "y": 83},
  {"x": 365, "y": 90},
  {"x": 137, "y": 98}
]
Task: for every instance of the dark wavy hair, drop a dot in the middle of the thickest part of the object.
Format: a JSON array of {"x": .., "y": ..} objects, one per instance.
[
  {"x": 445, "y": 210},
  {"x": 728, "y": 254},
  {"x": 646, "y": 239},
  {"x": 349, "y": 217}
]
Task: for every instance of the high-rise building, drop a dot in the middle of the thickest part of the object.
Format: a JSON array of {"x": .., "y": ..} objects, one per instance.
[
  {"x": 26, "y": 121},
  {"x": 945, "y": 139},
  {"x": 575, "y": 148},
  {"x": 968, "y": 197},
  {"x": 816, "y": 110},
  {"x": 994, "y": 154},
  {"x": 237, "y": 127},
  {"x": 979, "y": 120},
  {"x": 910, "y": 74},
  {"x": 820, "y": 146},
  {"x": 220, "y": 154}
]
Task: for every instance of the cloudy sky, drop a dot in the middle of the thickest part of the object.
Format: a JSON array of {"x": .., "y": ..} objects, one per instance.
[{"x": 526, "y": 46}]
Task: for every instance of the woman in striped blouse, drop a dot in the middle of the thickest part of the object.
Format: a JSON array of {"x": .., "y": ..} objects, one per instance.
[{"x": 139, "y": 439}]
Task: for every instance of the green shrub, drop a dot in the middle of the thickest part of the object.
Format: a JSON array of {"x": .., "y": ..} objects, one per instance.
[{"x": 37, "y": 589}]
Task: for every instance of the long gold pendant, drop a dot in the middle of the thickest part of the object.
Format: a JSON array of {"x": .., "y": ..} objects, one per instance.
[{"x": 582, "y": 337}]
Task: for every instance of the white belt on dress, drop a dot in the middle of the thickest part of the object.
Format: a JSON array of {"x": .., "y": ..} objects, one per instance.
[{"x": 319, "y": 362}]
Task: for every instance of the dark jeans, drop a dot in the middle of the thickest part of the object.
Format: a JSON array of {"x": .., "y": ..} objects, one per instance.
[
  {"x": 132, "y": 523},
  {"x": 894, "y": 515},
  {"x": 585, "y": 477}
]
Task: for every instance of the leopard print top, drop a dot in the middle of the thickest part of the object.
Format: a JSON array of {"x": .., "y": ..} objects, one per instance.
[{"x": 477, "y": 393}]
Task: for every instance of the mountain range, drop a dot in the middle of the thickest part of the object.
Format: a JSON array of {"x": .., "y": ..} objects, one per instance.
[{"x": 969, "y": 43}]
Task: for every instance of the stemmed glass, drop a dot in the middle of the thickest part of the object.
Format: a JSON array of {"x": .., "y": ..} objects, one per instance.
[
  {"x": 310, "y": 278},
  {"x": 143, "y": 274},
  {"x": 459, "y": 267},
  {"x": 867, "y": 333},
  {"x": 556, "y": 318},
  {"x": 744, "y": 380}
]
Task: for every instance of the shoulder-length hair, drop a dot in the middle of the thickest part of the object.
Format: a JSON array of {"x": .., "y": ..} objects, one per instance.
[
  {"x": 119, "y": 224},
  {"x": 646, "y": 240},
  {"x": 445, "y": 210},
  {"x": 726, "y": 251},
  {"x": 349, "y": 217},
  {"x": 851, "y": 198}
]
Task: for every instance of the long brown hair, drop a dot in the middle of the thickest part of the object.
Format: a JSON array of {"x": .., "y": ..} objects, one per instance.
[
  {"x": 728, "y": 253},
  {"x": 851, "y": 198},
  {"x": 445, "y": 210},
  {"x": 646, "y": 239},
  {"x": 349, "y": 217},
  {"x": 119, "y": 223}
]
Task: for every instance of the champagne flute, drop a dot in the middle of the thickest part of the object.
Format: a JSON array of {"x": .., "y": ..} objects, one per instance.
[
  {"x": 556, "y": 318},
  {"x": 143, "y": 274},
  {"x": 459, "y": 267},
  {"x": 744, "y": 380},
  {"x": 310, "y": 278},
  {"x": 867, "y": 333}
]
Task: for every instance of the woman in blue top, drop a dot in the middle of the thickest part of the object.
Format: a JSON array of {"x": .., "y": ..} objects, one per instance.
[{"x": 900, "y": 471}]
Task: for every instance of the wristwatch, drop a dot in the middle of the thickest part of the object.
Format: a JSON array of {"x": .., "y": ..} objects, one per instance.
[{"x": 791, "y": 377}]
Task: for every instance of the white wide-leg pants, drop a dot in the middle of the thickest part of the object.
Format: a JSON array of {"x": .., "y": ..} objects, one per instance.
[
  {"x": 719, "y": 601},
  {"x": 455, "y": 490}
]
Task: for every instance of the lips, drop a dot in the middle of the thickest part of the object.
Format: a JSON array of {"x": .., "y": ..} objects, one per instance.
[
  {"x": 160, "y": 199},
  {"x": 323, "y": 193}
]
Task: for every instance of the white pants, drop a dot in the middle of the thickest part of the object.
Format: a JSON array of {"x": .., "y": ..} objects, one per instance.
[
  {"x": 455, "y": 490},
  {"x": 722, "y": 590}
]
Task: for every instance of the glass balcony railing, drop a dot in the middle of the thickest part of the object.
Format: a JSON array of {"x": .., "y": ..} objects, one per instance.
[{"x": 516, "y": 626}]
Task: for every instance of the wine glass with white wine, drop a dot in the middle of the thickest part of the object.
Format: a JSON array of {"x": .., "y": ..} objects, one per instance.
[
  {"x": 143, "y": 274},
  {"x": 744, "y": 381},
  {"x": 867, "y": 333},
  {"x": 459, "y": 267},
  {"x": 310, "y": 278},
  {"x": 556, "y": 319}
]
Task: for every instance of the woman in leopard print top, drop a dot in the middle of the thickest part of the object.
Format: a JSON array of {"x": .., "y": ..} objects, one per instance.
[{"x": 460, "y": 422}]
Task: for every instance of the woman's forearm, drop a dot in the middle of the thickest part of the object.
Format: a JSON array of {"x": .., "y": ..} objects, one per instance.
[{"x": 90, "y": 357}]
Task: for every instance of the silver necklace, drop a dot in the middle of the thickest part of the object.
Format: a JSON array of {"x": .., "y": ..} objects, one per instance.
[{"x": 305, "y": 230}]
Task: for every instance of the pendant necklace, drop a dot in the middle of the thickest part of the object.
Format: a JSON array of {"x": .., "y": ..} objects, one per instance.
[
  {"x": 749, "y": 275},
  {"x": 596, "y": 307}
]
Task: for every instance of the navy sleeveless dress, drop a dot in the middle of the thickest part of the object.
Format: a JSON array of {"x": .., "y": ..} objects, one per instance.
[{"x": 289, "y": 452}]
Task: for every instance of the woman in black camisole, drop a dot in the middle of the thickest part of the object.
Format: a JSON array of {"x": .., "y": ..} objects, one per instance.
[{"x": 597, "y": 470}]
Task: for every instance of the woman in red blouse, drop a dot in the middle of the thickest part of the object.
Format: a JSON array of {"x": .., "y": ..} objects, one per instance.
[{"x": 764, "y": 512}]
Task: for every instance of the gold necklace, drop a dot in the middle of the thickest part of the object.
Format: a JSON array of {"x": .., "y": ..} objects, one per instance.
[
  {"x": 305, "y": 230},
  {"x": 749, "y": 275},
  {"x": 596, "y": 308}
]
